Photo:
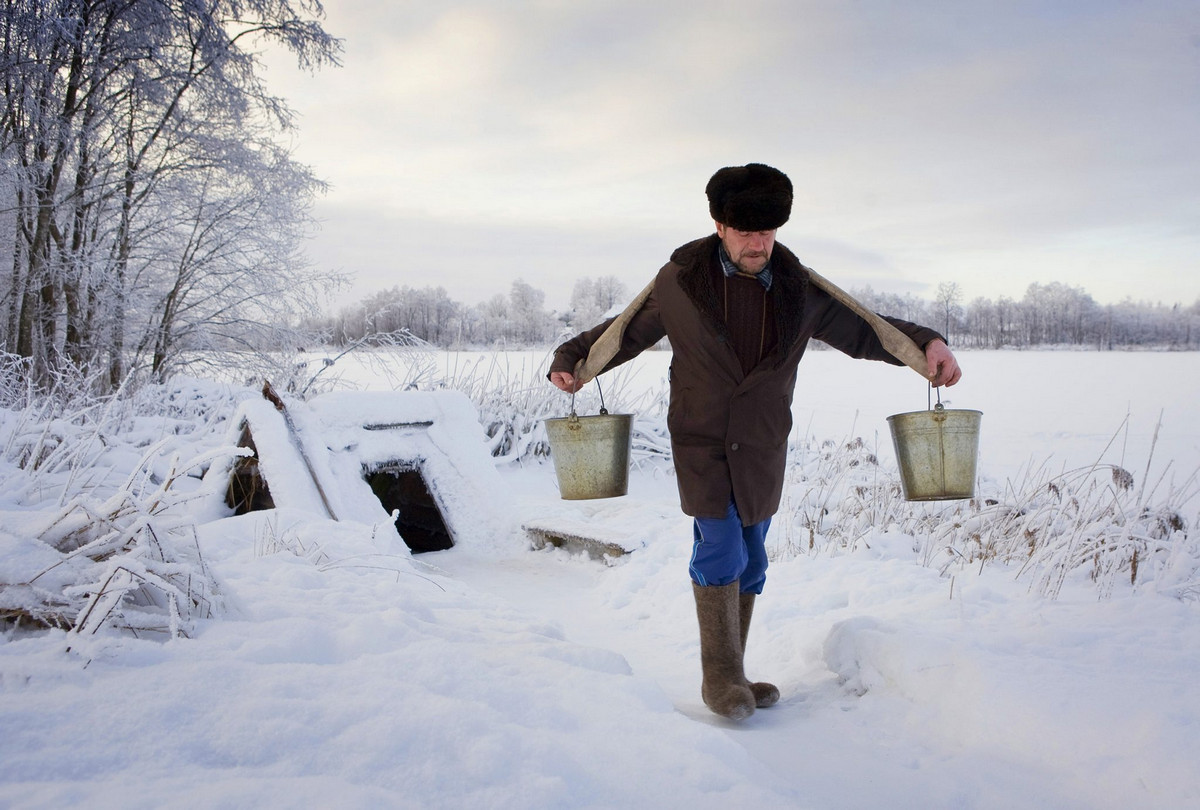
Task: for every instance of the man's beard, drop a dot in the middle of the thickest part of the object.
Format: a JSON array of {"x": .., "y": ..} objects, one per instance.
[{"x": 743, "y": 263}]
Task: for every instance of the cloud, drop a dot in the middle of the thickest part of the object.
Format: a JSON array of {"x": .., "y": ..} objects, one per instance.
[
  {"x": 957, "y": 140},
  {"x": 476, "y": 261}
]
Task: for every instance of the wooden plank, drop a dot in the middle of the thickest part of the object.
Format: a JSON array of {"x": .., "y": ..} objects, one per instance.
[{"x": 594, "y": 547}]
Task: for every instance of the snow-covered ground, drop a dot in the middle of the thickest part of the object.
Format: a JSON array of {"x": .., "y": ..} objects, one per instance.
[{"x": 342, "y": 671}]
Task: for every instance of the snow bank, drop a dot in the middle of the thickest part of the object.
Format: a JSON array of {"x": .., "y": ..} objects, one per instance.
[
  {"x": 361, "y": 686},
  {"x": 1044, "y": 682}
]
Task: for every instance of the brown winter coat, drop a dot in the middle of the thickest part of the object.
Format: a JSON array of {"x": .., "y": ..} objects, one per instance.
[{"x": 729, "y": 430}]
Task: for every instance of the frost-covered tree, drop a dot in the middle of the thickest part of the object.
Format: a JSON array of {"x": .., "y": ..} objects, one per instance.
[
  {"x": 949, "y": 306},
  {"x": 592, "y": 298},
  {"x": 1058, "y": 314},
  {"x": 115, "y": 112},
  {"x": 907, "y": 306},
  {"x": 224, "y": 256},
  {"x": 981, "y": 324},
  {"x": 428, "y": 314},
  {"x": 529, "y": 320}
]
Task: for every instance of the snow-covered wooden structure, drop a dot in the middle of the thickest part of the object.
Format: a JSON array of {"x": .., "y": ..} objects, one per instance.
[{"x": 417, "y": 458}]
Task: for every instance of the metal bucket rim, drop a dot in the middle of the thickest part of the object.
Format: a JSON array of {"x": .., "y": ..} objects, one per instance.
[
  {"x": 934, "y": 410},
  {"x": 577, "y": 418}
]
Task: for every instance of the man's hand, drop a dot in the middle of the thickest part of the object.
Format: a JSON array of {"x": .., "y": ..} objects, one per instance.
[
  {"x": 565, "y": 381},
  {"x": 943, "y": 368}
]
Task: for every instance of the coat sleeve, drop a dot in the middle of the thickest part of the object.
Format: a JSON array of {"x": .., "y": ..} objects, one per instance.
[
  {"x": 643, "y": 331},
  {"x": 845, "y": 331}
]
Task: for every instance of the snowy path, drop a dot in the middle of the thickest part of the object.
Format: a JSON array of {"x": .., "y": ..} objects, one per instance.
[
  {"x": 990, "y": 699},
  {"x": 837, "y": 750}
]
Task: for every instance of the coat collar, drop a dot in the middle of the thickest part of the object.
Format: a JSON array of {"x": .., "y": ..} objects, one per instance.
[{"x": 788, "y": 292}]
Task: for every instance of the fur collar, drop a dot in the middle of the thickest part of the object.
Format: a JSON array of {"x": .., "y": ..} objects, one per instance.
[{"x": 789, "y": 289}]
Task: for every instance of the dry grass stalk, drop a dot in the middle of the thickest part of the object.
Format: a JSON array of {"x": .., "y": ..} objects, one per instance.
[{"x": 1095, "y": 521}]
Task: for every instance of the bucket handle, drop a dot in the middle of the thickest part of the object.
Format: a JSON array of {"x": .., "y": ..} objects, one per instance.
[
  {"x": 603, "y": 410},
  {"x": 939, "y": 410}
]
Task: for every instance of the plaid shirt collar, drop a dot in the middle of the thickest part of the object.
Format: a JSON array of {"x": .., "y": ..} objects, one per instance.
[{"x": 730, "y": 269}]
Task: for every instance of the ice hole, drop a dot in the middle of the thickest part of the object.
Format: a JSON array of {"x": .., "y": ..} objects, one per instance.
[{"x": 419, "y": 522}]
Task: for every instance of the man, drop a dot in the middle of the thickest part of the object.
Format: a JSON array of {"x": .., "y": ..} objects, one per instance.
[{"x": 739, "y": 310}]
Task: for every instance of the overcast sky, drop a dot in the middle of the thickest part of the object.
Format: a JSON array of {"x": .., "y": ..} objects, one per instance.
[{"x": 991, "y": 144}]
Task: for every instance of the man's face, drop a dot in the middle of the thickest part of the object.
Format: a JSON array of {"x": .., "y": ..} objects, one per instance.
[{"x": 750, "y": 250}]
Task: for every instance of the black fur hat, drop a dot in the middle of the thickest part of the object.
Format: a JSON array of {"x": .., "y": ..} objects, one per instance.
[{"x": 754, "y": 197}]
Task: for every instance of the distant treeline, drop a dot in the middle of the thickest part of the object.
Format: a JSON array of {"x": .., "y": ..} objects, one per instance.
[{"x": 1051, "y": 314}]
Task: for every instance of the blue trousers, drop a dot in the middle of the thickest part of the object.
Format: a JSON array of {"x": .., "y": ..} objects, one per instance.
[{"x": 724, "y": 551}]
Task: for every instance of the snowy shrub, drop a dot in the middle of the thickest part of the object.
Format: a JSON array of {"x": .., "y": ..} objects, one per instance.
[
  {"x": 49, "y": 449},
  {"x": 129, "y": 561},
  {"x": 1092, "y": 521},
  {"x": 834, "y": 496},
  {"x": 15, "y": 380},
  {"x": 400, "y": 359},
  {"x": 396, "y": 360},
  {"x": 102, "y": 535},
  {"x": 144, "y": 571},
  {"x": 65, "y": 388},
  {"x": 512, "y": 399},
  {"x": 1096, "y": 523},
  {"x": 513, "y": 402}
]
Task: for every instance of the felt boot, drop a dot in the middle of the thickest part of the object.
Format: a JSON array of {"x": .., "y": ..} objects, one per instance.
[
  {"x": 765, "y": 694},
  {"x": 724, "y": 688}
]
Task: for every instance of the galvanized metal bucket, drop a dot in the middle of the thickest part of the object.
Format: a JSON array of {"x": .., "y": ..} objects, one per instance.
[
  {"x": 937, "y": 451},
  {"x": 591, "y": 454}
]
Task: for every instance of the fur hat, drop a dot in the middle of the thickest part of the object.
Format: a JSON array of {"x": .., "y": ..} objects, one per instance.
[{"x": 754, "y": 197}]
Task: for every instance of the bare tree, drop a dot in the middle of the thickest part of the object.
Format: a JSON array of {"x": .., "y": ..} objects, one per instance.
[{"x": 948, "y": 301}]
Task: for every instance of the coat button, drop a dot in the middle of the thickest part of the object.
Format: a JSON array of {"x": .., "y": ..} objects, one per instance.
[{"x": 733, "y": 446}]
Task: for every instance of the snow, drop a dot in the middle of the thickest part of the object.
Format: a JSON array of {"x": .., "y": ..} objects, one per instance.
[
  {"x": 343, "y": 671},
  {"x": 335, "y": 437}
]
